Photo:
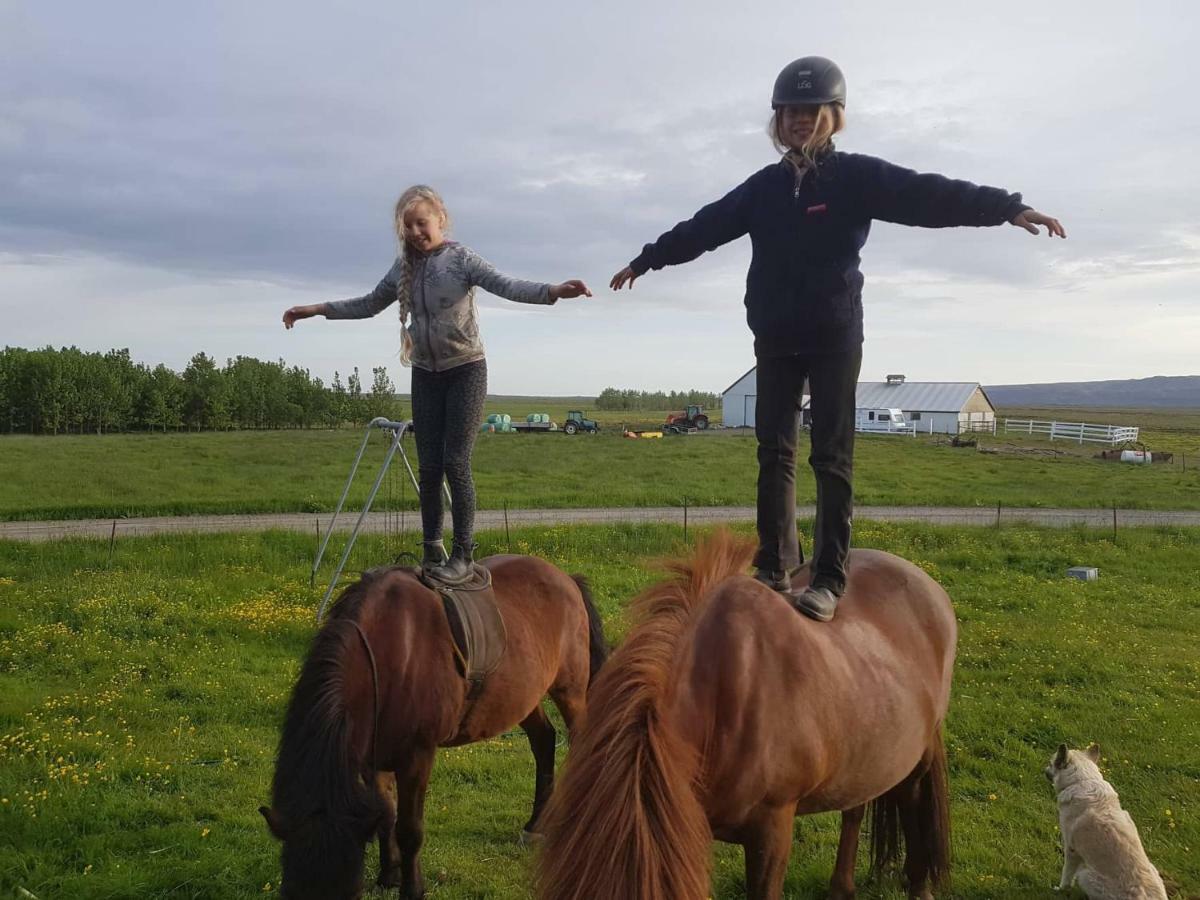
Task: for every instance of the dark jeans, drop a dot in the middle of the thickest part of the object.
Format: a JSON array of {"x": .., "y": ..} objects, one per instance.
[
  {"x": 447, "y": 410},
  {"x": 832, "y": 379}
]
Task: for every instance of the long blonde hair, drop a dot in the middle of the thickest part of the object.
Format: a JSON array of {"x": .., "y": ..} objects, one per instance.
[
  {"x": 831, "y": 118},
  {"x": 418, "y": 193}
]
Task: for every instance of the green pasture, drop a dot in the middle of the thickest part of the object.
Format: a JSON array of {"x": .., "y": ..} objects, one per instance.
[
  {"x": 82, "y": 476},
  {"x": 141, "y": 690}
]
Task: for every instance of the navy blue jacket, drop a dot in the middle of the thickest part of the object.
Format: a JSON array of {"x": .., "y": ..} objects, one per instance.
[{"x": 804, "y": 287}]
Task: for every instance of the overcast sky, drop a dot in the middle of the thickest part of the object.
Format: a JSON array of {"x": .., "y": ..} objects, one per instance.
[{"x": 173, "y": 176}]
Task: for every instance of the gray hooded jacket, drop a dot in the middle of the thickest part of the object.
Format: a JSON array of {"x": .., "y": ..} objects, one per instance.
[{"x": 445, "y": 322}]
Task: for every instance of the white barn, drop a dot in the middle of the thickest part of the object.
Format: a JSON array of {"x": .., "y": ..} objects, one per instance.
[
  {"x": 944, "y": 407},
  {"x": 737, "y": 401}
]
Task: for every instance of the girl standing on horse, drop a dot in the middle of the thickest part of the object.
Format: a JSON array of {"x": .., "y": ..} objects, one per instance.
[
  {"x": 808, "y": 216},
  {"x": 433, "y": 282}
]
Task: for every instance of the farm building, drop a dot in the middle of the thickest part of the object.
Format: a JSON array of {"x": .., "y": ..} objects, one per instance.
[{"x": 945, "y": 407}]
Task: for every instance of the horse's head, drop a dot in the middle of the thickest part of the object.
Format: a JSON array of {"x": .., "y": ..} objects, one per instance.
[{"x": 322, "y": 855}]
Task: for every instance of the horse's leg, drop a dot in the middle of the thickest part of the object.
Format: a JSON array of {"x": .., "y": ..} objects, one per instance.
[
  {"x": 541, "y": 741},
  {"x": 841, "y": 887},
  {"x": 767, "y": 844},
  {"x": 411, "y": 783},
  {"x": 572, "y": 703},
  {"x": 389, "y": 852}
]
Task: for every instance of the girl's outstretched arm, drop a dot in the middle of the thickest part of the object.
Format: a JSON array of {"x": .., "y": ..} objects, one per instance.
[
  {"x": 893, "y": 193},
  {"x": 625, "y": 277},
  {"x": 296, "y": 313},
  {"x": 569, "y": 289},
  {"x": 1030, "y": 219},
  {"x": 718, "y": 223},
  {"x": 481, "y": 273}
]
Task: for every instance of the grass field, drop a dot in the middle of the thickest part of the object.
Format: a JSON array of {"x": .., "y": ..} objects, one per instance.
[
  {"x": 304, "y": 471},
  {"x": 140, "y": 699}
]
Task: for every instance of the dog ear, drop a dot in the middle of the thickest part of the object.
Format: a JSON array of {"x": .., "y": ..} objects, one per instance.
[
  {"x": 1060, "y": 758},
  {"x": 1093, "y": 752}
]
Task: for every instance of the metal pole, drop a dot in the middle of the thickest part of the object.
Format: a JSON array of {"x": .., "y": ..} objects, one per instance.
[
  {"x": 1114, "y": 523},
  {"x": 398, "y": 429},
  {"x": 507, "y": 536},
  {"x": 997, "y": 513},
  {"x": 358, "y": 525},
  {"x": 345, "y": 493},
  {"x": 685, "y": 518}
]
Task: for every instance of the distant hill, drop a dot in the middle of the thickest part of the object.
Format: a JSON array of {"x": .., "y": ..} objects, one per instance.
[{"x": 1177, "y": 391}]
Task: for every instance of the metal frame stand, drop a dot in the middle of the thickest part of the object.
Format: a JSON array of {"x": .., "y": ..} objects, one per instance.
[{"x": 398, "y": 430}]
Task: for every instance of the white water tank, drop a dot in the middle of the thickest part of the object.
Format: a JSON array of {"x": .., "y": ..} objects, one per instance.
[{"x": 1135, "y": 456}]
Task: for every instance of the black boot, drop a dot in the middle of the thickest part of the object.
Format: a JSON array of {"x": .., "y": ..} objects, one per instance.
[
  {"x": 775, "y": 580},
  {"x": 434, "y": 556},
  {"x": 459, "y": 568},
  {"x": 818, "y": 603}
]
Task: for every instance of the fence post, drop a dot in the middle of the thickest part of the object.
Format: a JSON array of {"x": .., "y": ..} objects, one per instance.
[
  {"x": 312, "y": 576},
  {"x": 507, "y": 536},
  {"x": 112, "y": 543}
]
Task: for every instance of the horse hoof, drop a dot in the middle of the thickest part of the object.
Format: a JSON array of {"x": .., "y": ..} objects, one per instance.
[
  {"x": 390, "y": 878},
  {"x": 530, "y": 838}
]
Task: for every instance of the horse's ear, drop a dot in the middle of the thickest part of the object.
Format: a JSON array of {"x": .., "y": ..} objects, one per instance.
[
  {"x": 1093, "y": 752},
  {"x": 275, "y": 822},
  {"x": 1060, "y": 758}
]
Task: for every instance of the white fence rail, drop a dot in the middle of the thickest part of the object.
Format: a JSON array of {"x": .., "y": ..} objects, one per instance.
[{"x": 1080, "y": 432}]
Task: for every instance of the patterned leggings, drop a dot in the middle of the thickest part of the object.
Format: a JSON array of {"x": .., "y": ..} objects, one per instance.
[{"x": 447, "y": 410}]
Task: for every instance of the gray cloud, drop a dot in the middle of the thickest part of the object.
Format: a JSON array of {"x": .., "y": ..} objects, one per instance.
[{"x": 266, "y": 142}]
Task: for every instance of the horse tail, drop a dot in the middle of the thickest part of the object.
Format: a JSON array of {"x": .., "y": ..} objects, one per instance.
[
  {"x": 626, "y": 820},
  {"x": 925, "y": 796},
  {"x": 597, "y": 645},
  {"x": 935, "y": 814}
]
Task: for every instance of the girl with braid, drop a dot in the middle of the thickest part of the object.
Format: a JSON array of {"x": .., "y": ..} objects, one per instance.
[{"x": 433, "y": 283}]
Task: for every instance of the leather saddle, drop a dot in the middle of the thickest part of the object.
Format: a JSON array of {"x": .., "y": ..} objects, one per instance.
[{"x": 480, "y": 636}]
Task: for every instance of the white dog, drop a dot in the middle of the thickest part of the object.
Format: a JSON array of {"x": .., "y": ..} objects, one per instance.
[{"x": 1101, "y": 847}]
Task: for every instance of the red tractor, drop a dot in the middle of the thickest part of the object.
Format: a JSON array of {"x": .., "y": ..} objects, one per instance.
[{"x": 693, "y": 419}]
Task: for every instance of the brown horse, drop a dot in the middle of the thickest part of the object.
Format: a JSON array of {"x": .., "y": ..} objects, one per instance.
[
  {"x": 379, "y": 692},
  {"x": 726, "y": 714}
]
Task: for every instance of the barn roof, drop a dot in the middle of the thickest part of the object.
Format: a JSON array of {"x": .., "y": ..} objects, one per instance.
[
  {"x": 911, "y": 396},
  {"x": 916, "y": 396},
  {"x": 740, "y": 379}
]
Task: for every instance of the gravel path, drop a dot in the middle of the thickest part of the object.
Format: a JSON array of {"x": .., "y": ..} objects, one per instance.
[{"x": 491, "y": 519}]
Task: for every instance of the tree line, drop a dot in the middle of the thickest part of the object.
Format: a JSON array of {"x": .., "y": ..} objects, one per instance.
[
  {"x": 50, "y": 391},
  {"x": 615, "y": 398}
]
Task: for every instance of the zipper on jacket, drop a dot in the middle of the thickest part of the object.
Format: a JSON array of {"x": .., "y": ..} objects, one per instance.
[{"x": 425, "y": 306}]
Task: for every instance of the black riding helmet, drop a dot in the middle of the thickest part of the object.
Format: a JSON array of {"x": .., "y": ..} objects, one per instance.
[{"x": 812, "y": 79}]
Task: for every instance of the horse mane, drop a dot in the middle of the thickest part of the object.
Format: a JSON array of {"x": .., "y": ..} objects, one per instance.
[
  {"x": 314, "y": 769},
  {"x": 625, "y": 819}
]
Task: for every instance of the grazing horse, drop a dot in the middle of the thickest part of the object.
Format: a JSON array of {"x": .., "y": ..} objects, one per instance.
[
  {"x": 725, "y": 714},
  {"x": 381, "y": 690}
]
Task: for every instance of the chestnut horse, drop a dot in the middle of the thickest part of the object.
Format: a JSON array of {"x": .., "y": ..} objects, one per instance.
[
  {"x": 725, "y": 714},
  {"x": 379, "y": 692}
]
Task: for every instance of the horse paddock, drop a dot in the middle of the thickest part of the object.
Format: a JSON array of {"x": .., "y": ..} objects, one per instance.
[{"x": 142, "y": 693}]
